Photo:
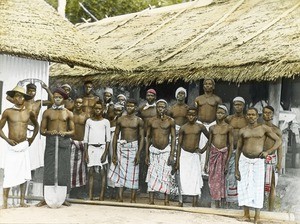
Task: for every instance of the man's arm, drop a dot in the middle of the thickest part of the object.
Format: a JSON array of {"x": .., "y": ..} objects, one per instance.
[
  {"x": 173, "y": 141},
  {"x": 50, "y": 100},
  {"x": 208, "y": 148},
  {"x": 115, "y": 142},
  {"x": 178, "y": 153},
  {"x": 107, "y": 141},
  {"x": 44, "y": 124},
  {"x": 207, "y": 135},
  {"x": 3, "y": 120},
  {"x": 148, "y": 137},
  {"x": 279, "y": 152},
  {"x": 36, "y": 127},
  {"x": 230, "y": 147},
  {"x": 269, "y": 133},
  {"x": 238, "y": 154},
  {"x": 71, "y": 126},
  {"x": 141, "y": 140}
]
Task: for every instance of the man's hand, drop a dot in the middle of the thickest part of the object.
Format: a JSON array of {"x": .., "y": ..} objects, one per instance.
[
  {"x": 237, "y": 175},
  {"x": 263, "y": 155},
  {"x": 147, "y": 160},
  {"x": 137, "y": 159},
  {"x": 12, "y": 142},
  {"x": 103, "y": 157},
  {"x": 170, "y": 160},
  {"x": 30, "y": 140},
  {"x": 86, "y": 157},
  {"x": 114, "y": 159}
]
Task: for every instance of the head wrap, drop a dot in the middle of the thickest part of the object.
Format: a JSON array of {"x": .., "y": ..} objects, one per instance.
[
  {"x": 180, "y": 89},
  {"x": 162, "y": 100},
  {"x": 223, "y": 107},
  {"x": 66, "y": 85},
  {"x": 62, "y": 92},
  {"x": 151, "y": 91},
  {"x": 109, "y": 90},
  {"x": 239, "y": 98},
  {"x": 122, "y": 96},
  {"x": 31, "y": 86}
]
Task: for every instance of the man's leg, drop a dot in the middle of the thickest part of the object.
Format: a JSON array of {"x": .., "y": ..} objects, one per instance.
[
  {"x": 246, "y": 216},
  {"x": 257, "y": 216},
  {"x": 133, "y": 196},
  {"x": 91, "y": 182},
  {"x": 151, "y": 198},
  {"x": 121, "y": 191},
  {"x": 195, "y": 201},
  {"x": 103, "y": 183},
  {"x": 22, "y": 191},
  {"x": 5, "y": 197},
  {"x": 167, "y": 202},
  {"x": 272, "y": 194}
]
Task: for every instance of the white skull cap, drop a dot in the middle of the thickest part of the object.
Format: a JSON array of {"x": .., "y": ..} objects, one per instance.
[
  {"x": 239, "y": 98},
  {"x": 223, "y": 107},
  {"x": 109, "y": 90},
  {"x": 66, "y": 85},
  {"x": 180, "y": 89},
  {"x": 122, "y": 96},
  {"x": 162, "y": 100}
]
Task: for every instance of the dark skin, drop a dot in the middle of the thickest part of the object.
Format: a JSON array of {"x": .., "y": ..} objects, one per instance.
[
  {"x": 189, "y": 137},
  {"x": 110, "y": 115},
  {"x": 80, "y": 118},
  {"x": 220, "y": 135},
  {"x": 69, "y": 103},
  {"x": 17, "y": 121},
  {"x": 147, "y": 114},
  {"x": 179, "y": 110},
  {"x": 57, "y": 122},
  {"x": 89, "y": 99},
  {"x": 268, "y": 117},
  {"x": 98, "y": 116},
  {"x": 251, "y": 144},
  {"x": 131, "y": 129},
  {"x": 207, "y": 103},
  {"x": 159, "y": 129}
]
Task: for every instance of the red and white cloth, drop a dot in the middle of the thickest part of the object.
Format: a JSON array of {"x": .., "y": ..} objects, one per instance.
[
  {"x": 270, "y": 166},
  {"x": 125, "y": 173},
  {"x": 216, "y": 178},
  {"x": 251, "y": 185},
  {"x": 190, "y": 173},
  {"x": 159, "y": 173},
  {"x": 78, "y": 165}
]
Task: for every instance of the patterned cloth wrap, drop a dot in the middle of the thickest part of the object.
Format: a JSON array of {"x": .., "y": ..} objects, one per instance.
[
  {"x": 78, "y": 165},
  {"x": 270, "y": 166}
]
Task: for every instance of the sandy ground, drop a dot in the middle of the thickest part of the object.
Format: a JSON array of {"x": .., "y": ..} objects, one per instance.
[{"x": 78, "y": 213}]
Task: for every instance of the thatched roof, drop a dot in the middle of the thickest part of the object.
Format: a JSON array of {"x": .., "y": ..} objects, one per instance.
[
  {"x": 33, "y": 29},
  {"x": 234, "y": 40}
]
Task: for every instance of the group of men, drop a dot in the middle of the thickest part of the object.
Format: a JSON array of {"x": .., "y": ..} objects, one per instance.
[{"x": 112, "y": 139}]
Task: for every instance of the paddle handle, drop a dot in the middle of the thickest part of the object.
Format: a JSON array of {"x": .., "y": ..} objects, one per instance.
[{"x": 56, "y": 161}]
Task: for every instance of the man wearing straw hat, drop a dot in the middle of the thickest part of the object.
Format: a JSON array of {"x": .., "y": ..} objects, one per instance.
[
  {"x": 57, "y": 121},
  {"x": 17, "y": 161}
]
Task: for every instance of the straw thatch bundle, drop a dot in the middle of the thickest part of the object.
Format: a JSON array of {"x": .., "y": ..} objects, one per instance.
[
  {"x": 234, "y": 40},
  {"x": 33, "y": 29}
]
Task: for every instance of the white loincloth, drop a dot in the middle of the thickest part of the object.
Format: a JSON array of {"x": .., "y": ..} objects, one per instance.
[
  {"x": 36, "y": 149},
  {"x": 95, "y": 154},
  {"x": 16, "y": 165},
  {"x": 251, "y": 185},
  {"x": 190, "y": 173},
  {"x": 202, "y": 143}
]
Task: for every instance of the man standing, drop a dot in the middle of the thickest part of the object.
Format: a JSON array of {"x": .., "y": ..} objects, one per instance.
[
  {"x": 159, "y": 152},
  {"x": 78, "y": 165},
  {"x": 108, "y": 112},
  {"x": 69, "y": 103},
  {"x": 250, "y": 164},
  {"x": 89, "y": 98},
  {"x": 17, "y": 161},
  {"x": 126, "y": 152},
  {"x": 188, "y": 158},
  {"x": 273, "y": 161},
  {"x": 96, "y": 145},
  {"x": 57, "y": 122},
  {"x": 236, "y": 121},
  {"x": 207, "y": 104}
]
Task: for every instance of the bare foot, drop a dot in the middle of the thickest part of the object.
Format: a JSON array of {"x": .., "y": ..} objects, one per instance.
[
  {"x": 180, "y": 204},
  {"x": 244, "y": 219},
  {"x": 66, "y": 203},
  {"x": 167, "y": 203},
  {"x": 257, "y": 221},
  {"x": 4, "y": 206},
  {"x": 151, "y": 202},
  {"x": 41, "y": 203},
  {"x": 22, "y": 204},
  {"x": 120, "y": 200},
  {"x": 132, "y": 201}
]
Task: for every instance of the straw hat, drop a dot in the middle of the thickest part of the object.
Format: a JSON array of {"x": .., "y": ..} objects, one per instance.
[{"x": 18, "y": 89}]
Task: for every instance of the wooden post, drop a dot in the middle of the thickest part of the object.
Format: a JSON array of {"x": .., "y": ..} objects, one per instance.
[
  {"x": 193, "y": 92},
  {"x": 274, "y": 98}
]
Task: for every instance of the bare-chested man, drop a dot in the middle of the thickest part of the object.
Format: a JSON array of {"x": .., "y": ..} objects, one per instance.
[
  {"x": 188, "y": 159},
  {"x": 89, "y": 98},
  {"x": 69, "y": 103},
  {"x": 78, "y": 165},
  {"x": 108, "y": 104},
  {"x": 160, "y": 152},
  {"x": 126, "y": 152},
  {"x": 207, "y": 106},
  {"x": 17, "y": 162},
  {"x": 250, "y": 164},
  {"x": 220, "y": 144},
  {"x": 273, "y": 161},
  {"x": 96, "y": 145},
  {"x": 57, "y": 125},
  {"x": 237, "y": 121}
]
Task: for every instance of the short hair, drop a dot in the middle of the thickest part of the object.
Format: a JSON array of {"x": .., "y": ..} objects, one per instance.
[
  {"x": 133, "y": 101},
  {"x": 88, "y": 82},
  {"x": 193, "y": 108},
  {"x": 213, "y": 81},
  {"x": 269, "y": 107},
  {"x": 31, "y": 86},
  {"x": 99, "y": 102},
  {"x": 253, "y": 108}
]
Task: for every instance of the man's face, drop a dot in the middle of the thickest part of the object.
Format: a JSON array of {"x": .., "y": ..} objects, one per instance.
[
  {"x": 31, "y": 92},
  {"x": 19, "y": 99},
  {"x": 122, "y": 100},
  {"x": 130, "y": 108},
  {"x": 67, "y": 90},
  {"x": 78, "y": 103},
  {"x": 252, "y": 116},
  {"x": 107, "y": 97},
  {"x": 208, "y": 85},
  {"x": 220, "y": 114},
  {"x": 238, "y": 106},
  {"x": 88, "y": 88},
  {"x": 150, "y": 97},
  {"x": 181, "y": 96},
  {"x": 58, "y": 99},
  {"x": 161, "y": 108},
  {"x": 118, "y": 111},
  {"x": 267, "y": 114},
  {"x": 191, "y": 116},
  {"x": 98, "y": 109}
]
